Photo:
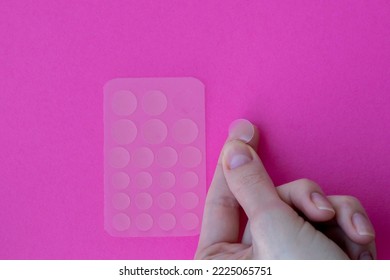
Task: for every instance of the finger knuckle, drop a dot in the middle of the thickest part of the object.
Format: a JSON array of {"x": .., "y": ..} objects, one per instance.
[
  {"x": 349, "y": 201},
  {"x": 252, "y": 179},
  {"x": 308, "y": 184}
]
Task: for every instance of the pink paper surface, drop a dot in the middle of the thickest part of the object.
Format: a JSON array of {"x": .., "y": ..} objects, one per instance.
[{"x": 313, "y": 75}]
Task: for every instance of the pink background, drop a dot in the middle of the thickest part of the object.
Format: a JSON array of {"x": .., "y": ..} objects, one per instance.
[{"x": 313, "y": 75}]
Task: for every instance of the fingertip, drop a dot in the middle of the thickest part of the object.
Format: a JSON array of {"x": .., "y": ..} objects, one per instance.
[
  {"x": 352, "y": 218},
  {"x": 307, "y": 196},
  {"x": 245, "y": 131},
  {"x": 362, "y": 225},
  {"x": 322, "y": 203},
  {"x": 315, "y": 214}
]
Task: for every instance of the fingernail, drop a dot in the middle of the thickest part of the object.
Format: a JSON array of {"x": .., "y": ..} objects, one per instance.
[
  {"x": 362, "y": 225},
  {"x": 321, "y": 202},
  {"x": 237, "y": 156},
  {"x": 241, "y": 129},
  {"x": 366, "y": 256}
]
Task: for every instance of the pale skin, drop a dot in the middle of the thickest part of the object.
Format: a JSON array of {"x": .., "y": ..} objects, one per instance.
[{"x": 292, "y": 221}]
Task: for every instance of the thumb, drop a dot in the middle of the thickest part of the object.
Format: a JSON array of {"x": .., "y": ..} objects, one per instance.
[
  {"x": 247, "y": 179},
  {"x": 273, "y": 223}
]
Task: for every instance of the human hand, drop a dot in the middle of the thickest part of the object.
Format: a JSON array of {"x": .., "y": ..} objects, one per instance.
[{"x": 292, "y": 221}]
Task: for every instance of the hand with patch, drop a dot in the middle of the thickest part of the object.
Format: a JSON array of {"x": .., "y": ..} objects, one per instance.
[{"x": 292, "y": 221}]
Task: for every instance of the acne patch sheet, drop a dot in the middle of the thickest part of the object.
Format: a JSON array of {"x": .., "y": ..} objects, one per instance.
[{"x": 154, "y": 156}]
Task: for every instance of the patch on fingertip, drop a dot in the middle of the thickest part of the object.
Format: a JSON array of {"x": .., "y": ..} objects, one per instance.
[{"x": 241, "y": 129}]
